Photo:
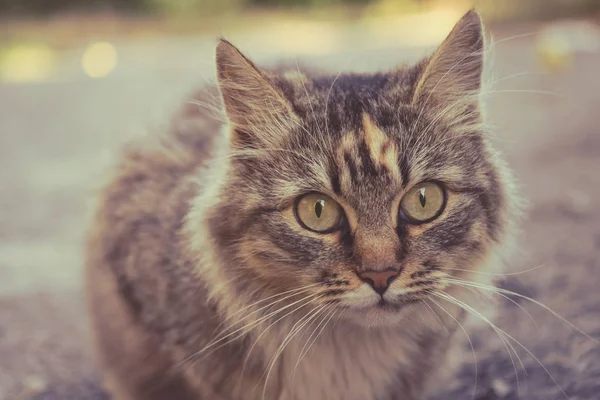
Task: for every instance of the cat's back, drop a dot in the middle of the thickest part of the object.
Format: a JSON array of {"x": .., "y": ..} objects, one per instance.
[
  {"x": 133, "y": 246},
  {"x": 154, "y": 174},
  {"x": 141, "y": 208}
]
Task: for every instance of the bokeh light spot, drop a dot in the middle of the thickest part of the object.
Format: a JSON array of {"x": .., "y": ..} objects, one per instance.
[
  {"x": 99, "y": 59},
  {"x": 26, "y": 63}
]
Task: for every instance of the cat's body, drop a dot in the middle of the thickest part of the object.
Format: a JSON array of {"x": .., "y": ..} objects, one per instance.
[
  {"x": 140, "y": 225},
  {"x": 203, "y": 286}
]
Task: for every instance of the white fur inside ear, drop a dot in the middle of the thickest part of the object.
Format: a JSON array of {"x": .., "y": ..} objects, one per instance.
[
  {"x": 455, "y": 69},
  {"x": 252, "y": 104}
]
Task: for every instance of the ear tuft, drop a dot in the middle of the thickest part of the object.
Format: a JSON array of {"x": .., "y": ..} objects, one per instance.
[
  {"x": 258, "y": 112},
  {"x": 455, "y": 69}
]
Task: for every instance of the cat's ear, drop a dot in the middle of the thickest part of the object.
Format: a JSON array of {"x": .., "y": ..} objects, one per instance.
[
  {"x": 259, "y": 113},
  {"x": 453, "y": 73}
]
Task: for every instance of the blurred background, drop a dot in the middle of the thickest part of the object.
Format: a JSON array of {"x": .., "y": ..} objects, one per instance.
[{"x": 78, "y": 77}]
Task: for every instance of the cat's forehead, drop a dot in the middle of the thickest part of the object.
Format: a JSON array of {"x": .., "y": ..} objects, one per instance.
[
  {"x": 369, "y": 163},
  {"x": 367, "y": 157},
  {"x": 339, "y": 101},
  {"x": 365, "y": 141}
]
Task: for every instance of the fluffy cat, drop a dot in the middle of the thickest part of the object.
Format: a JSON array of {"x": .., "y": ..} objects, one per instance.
[{"x": 311, "y": 245}]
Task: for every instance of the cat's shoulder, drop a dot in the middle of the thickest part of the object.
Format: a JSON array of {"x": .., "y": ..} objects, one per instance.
[{"x": 151, "y": 182}]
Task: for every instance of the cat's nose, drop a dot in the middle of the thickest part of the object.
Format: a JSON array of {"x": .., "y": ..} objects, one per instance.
[{"x": 379, "y": 280}]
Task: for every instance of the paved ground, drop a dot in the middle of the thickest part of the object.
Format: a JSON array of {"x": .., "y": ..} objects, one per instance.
[{"x": 55, "y": 138}]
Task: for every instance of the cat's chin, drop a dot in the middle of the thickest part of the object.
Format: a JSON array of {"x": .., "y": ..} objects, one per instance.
[{"x": 379, "y": 315}]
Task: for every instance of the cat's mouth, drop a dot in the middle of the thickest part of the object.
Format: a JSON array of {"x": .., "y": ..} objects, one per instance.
[
  {"x": 395, "y": 306},
  {"x": 381, "y": 312},
  {"x": 388, "y": 306}
]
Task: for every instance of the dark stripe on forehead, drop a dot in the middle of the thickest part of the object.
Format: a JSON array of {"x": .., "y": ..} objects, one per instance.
[
  {"x": 334, "y": 177},
  {"x": 368, "y": 166},
  {"x": 404, "y": 170},
  {"x": 335, "y": 183}
]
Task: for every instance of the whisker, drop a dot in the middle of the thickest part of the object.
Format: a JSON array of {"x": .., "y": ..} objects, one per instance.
[
  {"x": 511, "y": 293},
  {"x": 292, "y": 293},
  {"x": 245, "y": 327},
  {"x": 437, "y": 317},
  {"x": 291, "y": 334},
  {"x": 470, "y": 343},
  {"x": 507, "y": 298},
  {"x": 496, "y": 274},
  {"x": 311, "y": 315},
  {"x": 304, "y": 351},
  {"x": 217, "y": 109},
  {"x": 505, "y": 342},
  {"x": 513, "y": 38},
  {"x": 516, "y": 75},
  {"x": 518, "y": 343},
  {"x": 531, "y": 91},
  {"x": 265, "y": 330}
]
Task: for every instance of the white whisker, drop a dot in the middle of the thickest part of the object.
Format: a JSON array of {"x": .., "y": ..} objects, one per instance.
[
  {"x": 291, "y": 334},
  {"x": 246, "y": 327},
  {"x": 469, "y": 308},
  {"x": 511, "y": 293},
  {"x": 470, "y": 343},
  {"x": 495, "y": 274},
  {"x": 505, "y": 297},
  {"x": 290, "y": 293},
  {"x": 505, "y": 342},
  {"x": 306, "y": 348}
]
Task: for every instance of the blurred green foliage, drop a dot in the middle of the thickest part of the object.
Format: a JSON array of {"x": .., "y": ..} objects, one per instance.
[
  {"x": 513, "y": 9},
  {"x": 41, "y": 7}
]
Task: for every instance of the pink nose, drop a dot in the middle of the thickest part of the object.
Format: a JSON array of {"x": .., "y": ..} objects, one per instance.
[{"x": 379, "y": 280}]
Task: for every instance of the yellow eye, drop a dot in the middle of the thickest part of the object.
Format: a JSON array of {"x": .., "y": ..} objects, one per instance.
[
  {"x": 318, "y": 212},
  {"x": 424, "y": 202}
]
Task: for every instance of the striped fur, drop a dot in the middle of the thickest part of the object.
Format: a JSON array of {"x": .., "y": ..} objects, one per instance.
[{"x": 202, "y": 283}]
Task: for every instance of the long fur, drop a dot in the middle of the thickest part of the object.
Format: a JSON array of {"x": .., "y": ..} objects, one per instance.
[{"x": 202, "y": 283}]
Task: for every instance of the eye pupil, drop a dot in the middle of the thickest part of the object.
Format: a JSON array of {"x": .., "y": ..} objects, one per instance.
[
  {"x": 318, "y": 212},
  {"x": 319, "y": 206},
  {"x": 422, "y": 198},
  {"x": 423, "y": 203}
]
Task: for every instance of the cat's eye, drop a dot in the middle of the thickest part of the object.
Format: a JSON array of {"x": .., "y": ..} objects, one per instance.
[
  {"x": 318, "y": 213},
  {"x": 423, "y": 202}
]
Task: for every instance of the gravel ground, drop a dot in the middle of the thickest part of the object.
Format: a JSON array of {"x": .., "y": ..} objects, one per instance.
[{"x": 56, "y": 137}]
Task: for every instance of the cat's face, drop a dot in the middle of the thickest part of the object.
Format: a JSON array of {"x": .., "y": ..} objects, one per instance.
[{"x": 359, "y": 192}]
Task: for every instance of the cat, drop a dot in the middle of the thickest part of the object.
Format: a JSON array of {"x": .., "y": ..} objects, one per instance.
[{"x": 308, "y": 245}]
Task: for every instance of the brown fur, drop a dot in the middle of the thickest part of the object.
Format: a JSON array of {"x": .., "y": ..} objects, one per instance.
[{"x": 202, "y": 285}]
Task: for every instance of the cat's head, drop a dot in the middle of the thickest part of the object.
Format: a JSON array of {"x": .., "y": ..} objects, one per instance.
[{"x": 358, "y": 191}]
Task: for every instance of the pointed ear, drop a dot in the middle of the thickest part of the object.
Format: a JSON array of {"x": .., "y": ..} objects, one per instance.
[
  {"x": 260, "y": 115},
  {"x": 454, "y": 71}
]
